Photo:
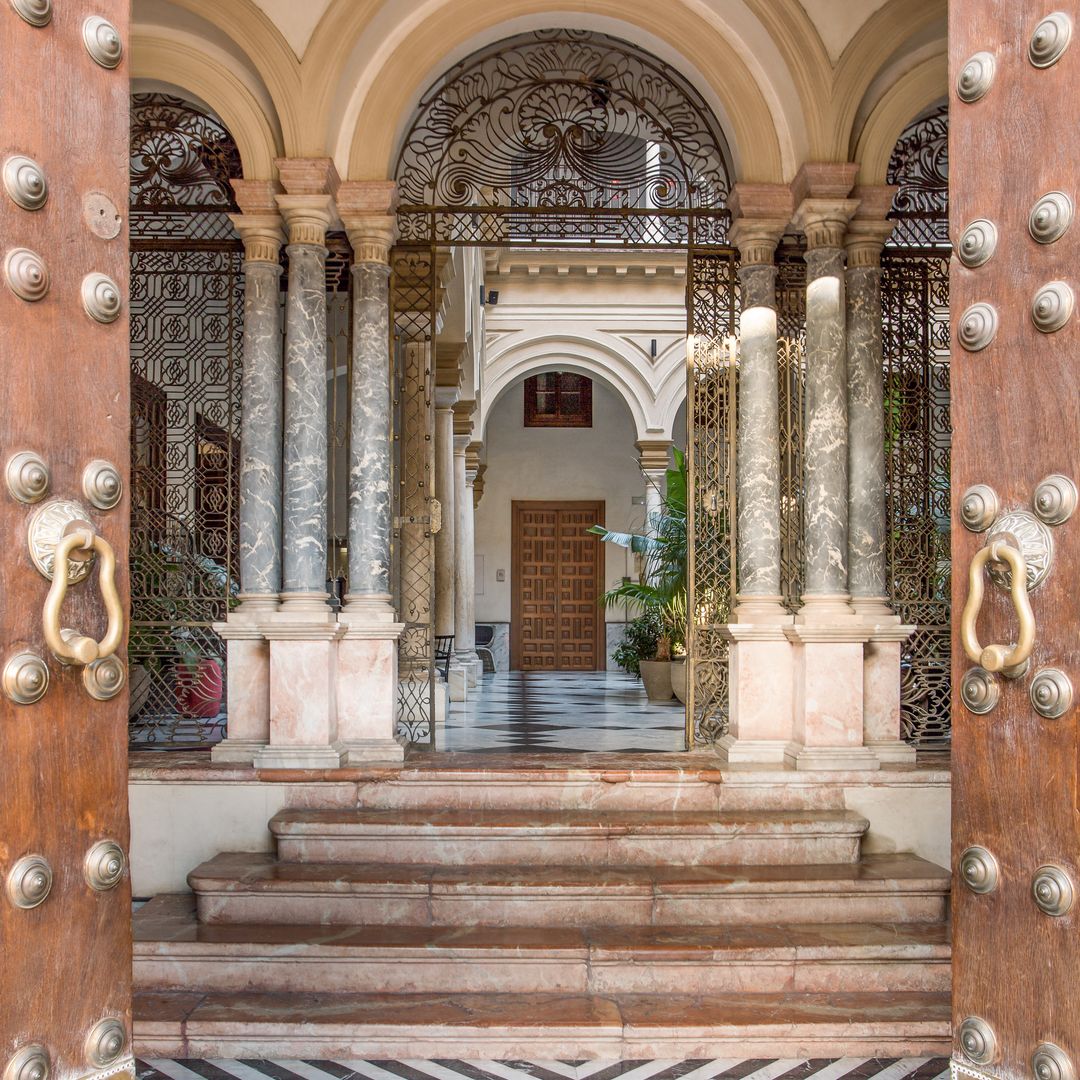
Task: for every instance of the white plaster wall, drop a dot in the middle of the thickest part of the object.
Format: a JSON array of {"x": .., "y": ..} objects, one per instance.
[{"x": 563, "y": 464}]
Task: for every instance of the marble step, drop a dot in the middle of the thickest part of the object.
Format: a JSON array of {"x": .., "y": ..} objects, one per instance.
[
  {"x": 256, "y": 888},
  {"x": 174, "y": 952},
  {"x": 299, "y": 1025},
  {"x": 458, "y": 837}
]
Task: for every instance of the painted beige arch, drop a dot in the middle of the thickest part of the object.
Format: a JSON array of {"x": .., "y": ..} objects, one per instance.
[
  {"x": 166, "y": 56},
  {"x": 921, "y": 87},
  {"x": 877, "y": 41},
  {"x": 418, "y": 60}
]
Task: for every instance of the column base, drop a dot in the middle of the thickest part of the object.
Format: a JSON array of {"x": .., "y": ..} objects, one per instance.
[
  {"x": 372, "y": 751},
  {"x": 825, "y": 609},
  {"x": 310, "y": 607},
  {"x": 836, "y": 759},
  {"x": 236, "y": 751},
  {"x": 874, "y": 609},
  {"x": 893, "y": 753},
  {"x": 768, "y": 610},
  {"x": 298, "y": 757},
  {"x": 368, "y": 608},
  {"x": 736, "y": 751},
  {"x": 471, "y": 664},
  {"x": 457, "y": 683}
]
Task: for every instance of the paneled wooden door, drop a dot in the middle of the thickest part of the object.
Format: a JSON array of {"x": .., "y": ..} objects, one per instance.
[
  {"x": 1014, "y": 165},
  {"x": 65, "y": 900},
  {"x": 557, "y": 575}
]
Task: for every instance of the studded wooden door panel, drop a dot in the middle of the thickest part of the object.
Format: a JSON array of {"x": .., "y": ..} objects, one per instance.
[
  {"x": 1014, "y": 164},
  {"x": 65, "y": 901},
  {"x": 557, "y": 576}
]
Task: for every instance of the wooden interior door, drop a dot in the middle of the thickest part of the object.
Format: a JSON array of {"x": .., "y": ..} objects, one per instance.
[
  {"x": 557, "y": 574},
  {"x": 1014, "y": 164},
  {"x": 65, "y": 900}
]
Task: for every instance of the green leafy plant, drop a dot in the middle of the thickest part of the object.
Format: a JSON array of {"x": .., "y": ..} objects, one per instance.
[
  {"x": 640, "y": 641},
  {"x": 662, "y": 588}
]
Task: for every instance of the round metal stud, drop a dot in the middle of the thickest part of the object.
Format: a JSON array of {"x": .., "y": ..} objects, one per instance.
[
  {"x": 101, "y": 215},
  {"x": 105, "y": 1043},
  {"x": 1055, "y": 500},
  {"x": 101, "y": 297},
  {"x": 1050, "y": 1062},
  {"x": 104, "y": 678},
  {"x": 103, "y": 866},
  {"x": 979, "y": 870},
  {"x": 35, "y": 12},
  {"x": 979, "y": 691},
  {"x": 27, "y": 477},
  {"x": 1024, "y": 530},
  {"x": 977, "y": 1040},
  {"x": 26, "y": 274},
  {"x": 978, "y": 326},
  {"x": 979, "y": 507},
  {"x": 1051, "y": 693},
  {"x": 25, "y": 182},
  {"x": 28, "y": 1063},
  {"x": 25, "y": 679},
  {"x": 976, "y": 77},
  {"x": 102, "y": 41},
  {"x": 1050, "y": 39},
  {"x": 29, "y": 881},
  {"x": 1052, "y": 890},
  {"x": 1050, "y": 217},
  {"x": 1053, "y": 306},
  {"x": 978, "y": 242},
  {"x": 101, "y": 484}
]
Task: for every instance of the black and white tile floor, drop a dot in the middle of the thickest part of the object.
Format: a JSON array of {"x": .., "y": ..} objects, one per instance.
[
  {"x": 731, "y": 1069},
  {"x": 533, "y": 712}
]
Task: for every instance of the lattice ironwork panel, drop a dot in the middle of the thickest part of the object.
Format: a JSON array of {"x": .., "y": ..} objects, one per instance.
[
  {"x": 791, "y": 373},
  {"x": 711, "y": 413},
  {"x": 413, "y": 288},
  {"x": 920, "y": 167},
  {"x": 186, "y": 340},
  {"x": 918, "y": 436}
]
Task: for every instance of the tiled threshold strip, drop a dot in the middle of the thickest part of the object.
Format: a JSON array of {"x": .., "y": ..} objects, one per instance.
[{"x": 920, "y": 1068}]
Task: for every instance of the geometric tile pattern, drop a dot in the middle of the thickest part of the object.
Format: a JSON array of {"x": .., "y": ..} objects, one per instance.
[
  {"x": 919, "y": 1068},
  {"x": 536, "y": 712}
]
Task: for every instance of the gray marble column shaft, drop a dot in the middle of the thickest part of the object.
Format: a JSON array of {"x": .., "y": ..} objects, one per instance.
[
  {"x": 370, "y": 516},
  {"x": 464, "y": 628},
  {"x": 866, "y": 434},
  {"x": 826, "y": 450},
  {"x": 305, "y": 458},
  {"x": 260, "y": 433},
  {"x": 444, "y": 538},
  {"x": 758, "y": 458}
]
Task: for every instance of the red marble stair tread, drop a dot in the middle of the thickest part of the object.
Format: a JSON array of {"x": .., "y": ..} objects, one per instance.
[
  {"x": 242, "y": 870},
  {"x": 608, "y": 822},
  {"x": 842, "y": 1011}
]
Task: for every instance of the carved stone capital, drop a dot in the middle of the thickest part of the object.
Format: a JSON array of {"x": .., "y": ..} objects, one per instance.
[
  {"x": 263, "y": 235},
  {"x": 756, "y": 238},
  {"x": 371, "y": 237},
  {"x": 463, "y": 426},
  {"x": 654, "y": 454},
  {"x": 307, "y": 217},
  {"x": 824, "y": 221},
  {"x": 308, "y": 176},
  {"x": 864, "y": 241},
  {"x": 472, "y": 460}
]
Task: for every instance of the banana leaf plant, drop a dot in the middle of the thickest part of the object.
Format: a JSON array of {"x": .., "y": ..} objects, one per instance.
[{"x": 662, "y": 546}]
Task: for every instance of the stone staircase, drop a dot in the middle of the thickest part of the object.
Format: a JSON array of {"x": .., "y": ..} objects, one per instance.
[{"x": 593, "y": 912}]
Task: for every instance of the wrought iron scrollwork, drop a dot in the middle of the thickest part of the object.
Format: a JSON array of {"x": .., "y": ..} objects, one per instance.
[{"x": 920, "y": 167}]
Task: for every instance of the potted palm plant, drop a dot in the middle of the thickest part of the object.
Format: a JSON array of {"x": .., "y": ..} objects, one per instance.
[{"x": 662, "y": 588}]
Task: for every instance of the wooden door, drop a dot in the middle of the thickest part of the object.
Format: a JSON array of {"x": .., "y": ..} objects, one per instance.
[
  {"x": 557, "y": 574},
  {"x": 65, "y": 900},
  {"x": 1015, "y": 102}
]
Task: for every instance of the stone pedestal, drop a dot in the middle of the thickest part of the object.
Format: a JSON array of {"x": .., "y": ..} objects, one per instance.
[
  {"x": 881, "y": 694},
  {"x": 247, "y": 685},
  {"x": 367, "y": 684}
]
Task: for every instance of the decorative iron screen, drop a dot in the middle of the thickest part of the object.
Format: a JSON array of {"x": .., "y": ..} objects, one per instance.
[{"x": 186, "y": 338}]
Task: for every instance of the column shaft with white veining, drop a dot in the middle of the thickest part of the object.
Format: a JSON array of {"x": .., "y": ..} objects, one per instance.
[{"x": 444, "y": 492}]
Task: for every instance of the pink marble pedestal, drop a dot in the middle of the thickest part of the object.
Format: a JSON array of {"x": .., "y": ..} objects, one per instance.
[
  {"x": 881, "y": 693},
  {"x": 367, "y": 690},
  {"x": 247, "y": 683}
]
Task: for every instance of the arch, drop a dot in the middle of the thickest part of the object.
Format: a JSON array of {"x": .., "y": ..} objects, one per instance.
[
  {"x": 568, "y": 353},
  {"x": 670, "y": 397},
  {"x": 416, "y": 52},
  {"x": 921, "y": 87},
  {"x": 175, "y": 59}
]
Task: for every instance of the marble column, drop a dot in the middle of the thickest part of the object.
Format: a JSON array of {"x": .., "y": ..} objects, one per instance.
[
  {"x": 760, "y": 675},
  {"x": 446, "y": 538},
  {"x": 367, "y": 672},
  {"x": 827, "y": 638},
  {"x": 464, "y": 550},
  {"x": 866, "y": 235},
  {"x": 654, "y": 457},
  {"x": 303, "y": 634},
  {"x": 247, "y": 650}
]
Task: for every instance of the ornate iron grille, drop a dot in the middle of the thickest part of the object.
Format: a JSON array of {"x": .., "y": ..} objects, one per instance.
[
  {"x": 566, "y": 138},
  {"x": 186, "y": 339},
  {"x": 918, "y": 436},
  {"x": 920, "y": 166}
]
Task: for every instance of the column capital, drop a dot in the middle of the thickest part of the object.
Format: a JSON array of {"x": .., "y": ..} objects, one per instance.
[
  {"x": 824, "y": 221},
  {"x": 308, "y": 175},
  {"x": 472, "y": 460},
  {"x": 307, "y": 217},
  {"x": 446, "y": 397},
  {"x": 463, "y": 410},
  {"x": 256, "y": 196},
  {"x": 756, "y": 238},
  {"x": 653, "y": 454},
  {"x": 263, "y": 235},
  {"x": 461, "y": 444},
  {"x": 870, "y": 228},
  {"x": 823, "y": 180},
  {"x": 368, "y": 212},
  {"x": 478, "y": 484},
  {"x": 760, "y": 214}
]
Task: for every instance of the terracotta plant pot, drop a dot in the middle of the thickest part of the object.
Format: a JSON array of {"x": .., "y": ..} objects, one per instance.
[
  {"x": 656, "y": 675},
  {"x": 678, "y": 679}
]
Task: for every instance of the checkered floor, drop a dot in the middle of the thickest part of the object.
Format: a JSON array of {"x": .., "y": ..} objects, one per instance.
[
  {"x": 755, "y": 1069},
  {"x": 588, "y": 712}
]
